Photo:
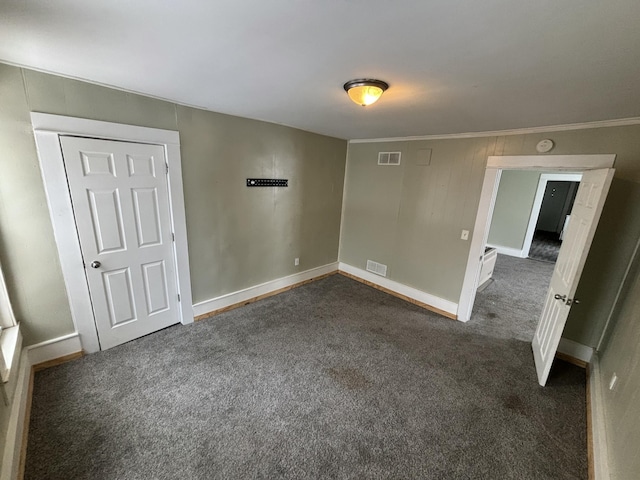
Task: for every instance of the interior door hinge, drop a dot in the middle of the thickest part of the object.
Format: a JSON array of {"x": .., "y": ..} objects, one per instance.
[
  {"x": 178, "y": 297},
  {"x": 173, "y": 237},
  {"x": 167, "y": 165}
]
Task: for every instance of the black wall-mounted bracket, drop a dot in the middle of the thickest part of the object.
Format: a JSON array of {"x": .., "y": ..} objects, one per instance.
[{"x": 267, "y": 182}]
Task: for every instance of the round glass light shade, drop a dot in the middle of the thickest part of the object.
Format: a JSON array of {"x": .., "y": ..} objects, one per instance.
[
  {"x": 365, "y": 92},
  {"x": 365, "y": 95}
]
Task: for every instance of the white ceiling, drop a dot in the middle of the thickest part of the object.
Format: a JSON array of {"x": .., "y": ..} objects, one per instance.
[{"x": 454, "y": 66}]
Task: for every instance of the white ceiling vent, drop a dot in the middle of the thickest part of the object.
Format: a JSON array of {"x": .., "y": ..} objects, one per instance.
[
  {"x": 388, "y": 158},
  {"x": 377, "y": 268}
]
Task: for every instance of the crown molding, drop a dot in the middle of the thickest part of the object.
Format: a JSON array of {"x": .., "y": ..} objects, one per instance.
[
  {"x": 621, "y": 122},
  {"x": 175, "y": 103},
  {"x": 445, "y": 136}
]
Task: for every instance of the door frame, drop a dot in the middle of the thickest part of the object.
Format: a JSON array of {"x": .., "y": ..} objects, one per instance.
[
  {"x": 537, "y": 203},
  {"x": 495, "y": 165},
  {"x": 47, "y": 128}
]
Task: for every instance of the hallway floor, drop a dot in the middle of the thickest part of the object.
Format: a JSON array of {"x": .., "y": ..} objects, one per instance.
[
  {"x": 510, "y": 306},
  {"x": 545, "y": 246}
]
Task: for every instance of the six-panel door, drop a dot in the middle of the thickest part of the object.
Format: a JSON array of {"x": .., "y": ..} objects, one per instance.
[
  {"x": 120, "y": 200},
  {"x": 587, "y": 207}
]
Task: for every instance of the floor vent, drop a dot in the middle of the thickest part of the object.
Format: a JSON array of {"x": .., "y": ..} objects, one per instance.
[
  {"x": 388, "y": 158},
  {"x": 377, "y": 268}
]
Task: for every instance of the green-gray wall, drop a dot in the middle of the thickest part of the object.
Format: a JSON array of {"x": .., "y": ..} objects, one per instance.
[
  {"x": 410, "y": 217},
  {"x": 621, "y": 355},
  {"x": 514, "y": 202},
  {"x": 238, "y": 237}
]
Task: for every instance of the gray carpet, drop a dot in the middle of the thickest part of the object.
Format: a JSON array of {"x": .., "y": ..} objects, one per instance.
[
  {"x": 510, "y": 306},
  {"x": 332, "y": 380},
  {"x": 545, "y": 246}
]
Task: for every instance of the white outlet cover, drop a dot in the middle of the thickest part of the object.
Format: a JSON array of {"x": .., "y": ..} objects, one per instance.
[{"x": 296, "y": 262}]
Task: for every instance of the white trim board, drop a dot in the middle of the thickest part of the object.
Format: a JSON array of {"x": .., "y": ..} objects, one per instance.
[
  {"x": 47, "y": 129},
  {"x": 516, "y": 131},
  {"x": 575, "y": 350},
  {"x": 15, "y": 425},
  {"x": 397, "y": 287},
  {"x": 344, "y": 203},
  {"x": 551, "y": 162},
  {"x": 11, "y": 345},
  {"x": 54, "y": 348},
  {"x": 478, "y": 241},
  {"x": 598, "y": 425},
  {"x": 233, "y": 298},
  {"x": 512, "y": 252}
]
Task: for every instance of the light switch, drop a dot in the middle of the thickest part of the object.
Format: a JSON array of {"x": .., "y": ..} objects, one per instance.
[{"x": 465, "y": 235}]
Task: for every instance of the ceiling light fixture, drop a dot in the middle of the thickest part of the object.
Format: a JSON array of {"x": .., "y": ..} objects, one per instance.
[{"x": 365, "y": 91}]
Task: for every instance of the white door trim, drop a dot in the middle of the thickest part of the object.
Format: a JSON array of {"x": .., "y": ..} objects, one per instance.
[
  {"x": 537, "y": 203},
  {"x": 495, "y": 164},
  {"x": 47, "y": 128},
  {"x": 551, "y": 162}
]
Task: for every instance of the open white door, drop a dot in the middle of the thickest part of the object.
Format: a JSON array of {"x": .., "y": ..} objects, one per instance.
[{"x": 590, "y": 199}]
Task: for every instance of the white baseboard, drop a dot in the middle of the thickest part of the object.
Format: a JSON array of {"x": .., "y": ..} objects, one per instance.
[
  {"x": 598, "y": 427},
  {"x": 575, "y": 350},
  {"x": 54, "y": 348},
  {"x": 407, "y": 291},
  {"x": 512, "y": 252},
  {"x": 240, "y": 296},
  {"x": 15, "y": 426}
]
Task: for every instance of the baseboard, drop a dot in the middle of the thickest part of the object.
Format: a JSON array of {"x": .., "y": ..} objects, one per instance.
[
  {"x": 17, "y": 421},
  {"x": 598, "y": 448},
  {"x": 512, "y": 252},
  {"x": 575, "y": 351},
  {"x": 54, "y": 349},
  {"x": 226, "y": 302},
  {"x": 426, "y": 300}
]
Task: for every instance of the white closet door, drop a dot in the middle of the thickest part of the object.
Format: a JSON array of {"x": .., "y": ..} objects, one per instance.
[{"x": 120, "y": 200}]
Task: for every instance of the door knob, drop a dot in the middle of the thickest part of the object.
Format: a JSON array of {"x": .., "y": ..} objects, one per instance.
[
  {"x": 557, "y": 296},
  {"x": 95, "y": 264}
]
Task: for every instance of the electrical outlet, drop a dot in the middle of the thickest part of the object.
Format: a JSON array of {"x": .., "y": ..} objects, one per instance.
[
  {"x": 613, "y": 381},
  {"x": 465, "y": 235},
  {"x": 296, "y": 262}
]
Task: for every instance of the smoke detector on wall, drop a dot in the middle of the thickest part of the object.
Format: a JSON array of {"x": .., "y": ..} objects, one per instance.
[{"x": 545, "y": 145}]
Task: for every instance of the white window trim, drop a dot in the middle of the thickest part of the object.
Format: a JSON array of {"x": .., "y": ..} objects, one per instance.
[
  {"x": 7, "y": 318},
  {"x": 47, "y": 129},
  {"x": 10, "y": 338}
]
